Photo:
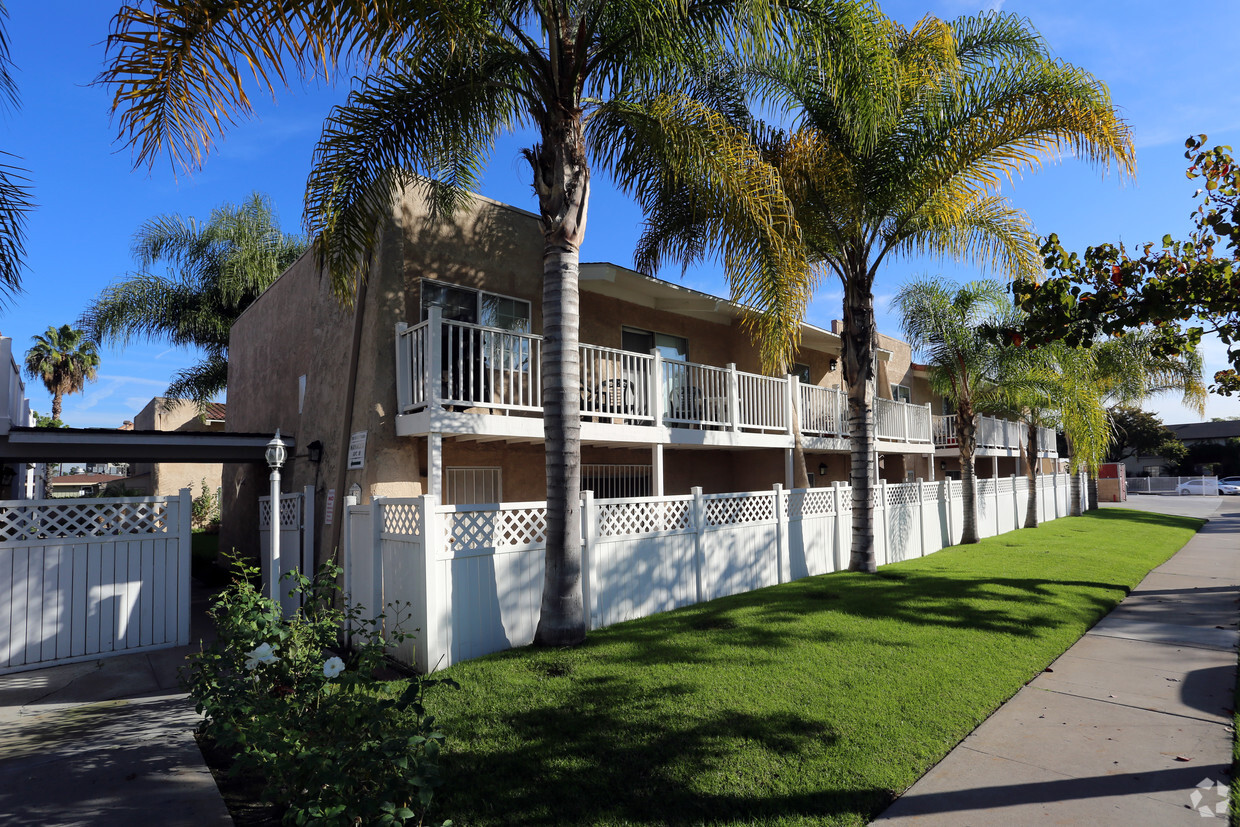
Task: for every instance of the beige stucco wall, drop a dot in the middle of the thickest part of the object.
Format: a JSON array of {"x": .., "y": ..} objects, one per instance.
[
  {"x": 166, "y": 479},
  {"x": 298, "y": 328}
]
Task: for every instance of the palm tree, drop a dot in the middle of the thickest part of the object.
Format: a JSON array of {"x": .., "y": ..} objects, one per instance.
[
  {"x": 64, "y": 360},
  {"x": 947, "y": 325},
  {"x": 14, "y": 191},
  {"x": 971, "y": 102},
  {"x": 446, "y": 78},
  {"x": 216, "y": 270},
  {"x": 1053, "y": 387}
]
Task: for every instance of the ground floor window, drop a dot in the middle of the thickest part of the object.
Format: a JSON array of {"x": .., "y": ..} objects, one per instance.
[
  {"x": 472, "y": 486},
  {"x": 609, "y": 482}
]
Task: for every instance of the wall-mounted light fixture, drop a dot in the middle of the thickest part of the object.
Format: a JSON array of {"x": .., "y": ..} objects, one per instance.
[
  {"x": 314, "y": 452},
  {"x": 832, "y": 365},
  {"x": 822, "y": 469}
]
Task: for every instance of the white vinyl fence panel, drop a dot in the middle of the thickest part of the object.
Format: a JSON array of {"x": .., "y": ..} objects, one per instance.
[
  {"x": 472, "y": 575},
  {"x": 296, "y": 540},
  {"x": 88, "y": 578}
]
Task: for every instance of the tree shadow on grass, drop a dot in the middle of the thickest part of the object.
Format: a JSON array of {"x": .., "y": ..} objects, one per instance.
[
  {"x": 598, "y": 751},
  {"x": 821, "y": 609}
]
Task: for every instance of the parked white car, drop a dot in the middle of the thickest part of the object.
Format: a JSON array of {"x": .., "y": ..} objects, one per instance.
[{"x": 1203, "y": 487}]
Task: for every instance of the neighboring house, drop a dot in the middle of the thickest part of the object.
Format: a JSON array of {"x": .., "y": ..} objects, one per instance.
[
  {"x": 431, "y": 383},
  {"x": 82, "y": 485},
  {"x": 1190, "y": 433},
  {"x": 166, "y": 479}
]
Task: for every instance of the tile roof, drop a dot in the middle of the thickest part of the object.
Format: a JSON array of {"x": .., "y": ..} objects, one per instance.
[{"x": 216, "y": 410}]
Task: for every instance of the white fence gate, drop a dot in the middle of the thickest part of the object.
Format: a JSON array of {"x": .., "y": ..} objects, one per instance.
[
  {"x": 296, "y": 539},
  {"x": 87, "y": 578},
  {"x": 472, "y": 575}
]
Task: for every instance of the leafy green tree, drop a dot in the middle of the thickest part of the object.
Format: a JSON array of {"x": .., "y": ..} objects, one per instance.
[
  {"x": 215, "y": 270},
  {"x": 64, "y": 360},
  {"x": 1140, "y": 433},
  {"x": 445, "y": 78},
  {"x": 45, "y": 421},
  {"x": 910, "y": 163},
  {"x": 1176, "y": 290}
]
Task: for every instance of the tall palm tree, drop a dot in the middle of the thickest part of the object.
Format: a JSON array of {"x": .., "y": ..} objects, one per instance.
[
  {"x": 946, "y": 324},
  {"x": 446, "y": 78},
  {"x": 216, "y": 269},
  {"x": 973, "y": 102},
  {"x": 15, "y": 200},
  {"x": 64, "y": 360}
]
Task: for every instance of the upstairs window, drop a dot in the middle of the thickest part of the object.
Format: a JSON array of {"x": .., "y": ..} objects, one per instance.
[
  {"x": 464, "y": 304},
  {"x": 901, "y": 393},
  {"x": 636, "y": 340}
]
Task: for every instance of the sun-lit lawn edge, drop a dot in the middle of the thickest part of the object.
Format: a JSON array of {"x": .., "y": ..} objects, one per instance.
[{"x": 814, "y": 702}]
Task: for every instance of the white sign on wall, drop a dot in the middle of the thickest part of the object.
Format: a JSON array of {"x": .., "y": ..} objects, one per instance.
[
  {"x": 357, "y": 451},
  {"x": 331, "y": 506}
]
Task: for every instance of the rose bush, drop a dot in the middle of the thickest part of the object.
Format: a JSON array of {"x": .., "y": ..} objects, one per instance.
[{"x": 335, "y": 744}]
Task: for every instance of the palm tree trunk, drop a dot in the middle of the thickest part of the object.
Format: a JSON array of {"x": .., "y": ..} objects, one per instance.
[
  {"x": 800, "y": 474},
  {"x": 858, "y": 359},
  {"x": 1031, "y": 472},
  {"x": 56, "y": 398},
  {"x": 562, "y": 181},
  {"x": 966, "y": 429}
]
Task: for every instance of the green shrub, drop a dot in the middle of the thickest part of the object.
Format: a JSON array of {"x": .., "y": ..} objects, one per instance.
[
  {"x": 334, "y": 744},
  {"x": 205, "y": 508}
]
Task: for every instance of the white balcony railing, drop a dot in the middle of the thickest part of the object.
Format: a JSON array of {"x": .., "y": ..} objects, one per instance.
[
  {"x": 994, "y": 434},
  {"x": 448, "y": 364}
]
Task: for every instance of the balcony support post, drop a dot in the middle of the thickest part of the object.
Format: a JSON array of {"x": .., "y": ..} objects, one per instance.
[
  {"x": 657, "y": 394},
  {"x": 656, "y": 469},
  {"x": 434, "y": 343},
  {"x": 792, "y": 403},
  {"x": 734, "y": 398},
  {"x": 434, "y": 465}
]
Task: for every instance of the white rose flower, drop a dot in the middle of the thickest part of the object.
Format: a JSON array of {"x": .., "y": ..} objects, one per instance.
[
  {"x": 262, "y": 653},
  {"x": 333, "y": 667}
]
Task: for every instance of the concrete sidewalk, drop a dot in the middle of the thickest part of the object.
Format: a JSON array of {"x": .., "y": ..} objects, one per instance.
[
  {"x": 1130, "y": 726},
  {"x": 106, "y": 742}
]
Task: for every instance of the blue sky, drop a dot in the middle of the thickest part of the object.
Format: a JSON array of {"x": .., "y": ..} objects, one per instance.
[{"x": 1166, "y": 74}]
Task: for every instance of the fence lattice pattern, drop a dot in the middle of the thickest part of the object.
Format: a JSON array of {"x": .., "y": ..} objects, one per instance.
[
  {"x": 905, "y": 494},
  {"x": 83, "y": 520},
  {"x": 402, "y": 518},
  {"x": 290, "y": 512},
  {"x": 737, "y": 510},
  {"x": 618, "y": 519},
  {"x": 491, "y": 529},
  {"x": 816, "y": 502}
]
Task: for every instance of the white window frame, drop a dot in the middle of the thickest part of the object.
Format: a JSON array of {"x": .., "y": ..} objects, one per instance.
[{"x": 901, "y": 393}]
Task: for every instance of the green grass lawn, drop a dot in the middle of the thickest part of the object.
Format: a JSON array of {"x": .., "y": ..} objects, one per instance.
[{"x": 814, "y": 702}]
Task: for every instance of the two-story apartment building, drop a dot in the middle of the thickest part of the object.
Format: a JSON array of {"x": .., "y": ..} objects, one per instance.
[{"x": 431, "y": 382}]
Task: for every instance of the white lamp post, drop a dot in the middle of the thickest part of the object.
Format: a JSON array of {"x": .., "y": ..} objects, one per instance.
[{"x": 276, "y": 454}]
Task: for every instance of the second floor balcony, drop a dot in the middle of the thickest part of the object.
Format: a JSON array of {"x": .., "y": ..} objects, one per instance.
[
  {"x": 995, "y": 437},
  {"x": 450, "y": 366}
]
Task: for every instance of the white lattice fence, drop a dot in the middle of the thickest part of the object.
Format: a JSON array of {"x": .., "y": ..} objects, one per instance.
[
  {"x": 82, "y": 579},
  {"x": 478, "y": 586},
  {"x": 739, "y": 550},
  {"x": 641, "y": 558},
  {"x": 296, "y": 541}
]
